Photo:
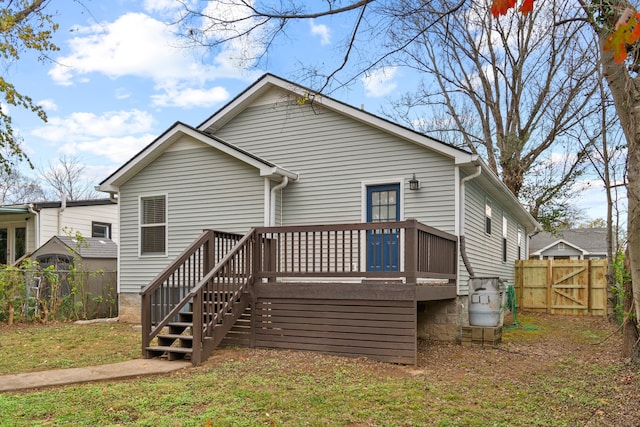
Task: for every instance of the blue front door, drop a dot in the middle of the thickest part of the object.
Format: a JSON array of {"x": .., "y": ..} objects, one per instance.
[{"x": 383, "y": 204}]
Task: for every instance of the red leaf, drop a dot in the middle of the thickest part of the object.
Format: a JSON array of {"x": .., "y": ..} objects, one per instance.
[
  {"x": 500, "y": 7},
  {"x": 526, "y": 7}
]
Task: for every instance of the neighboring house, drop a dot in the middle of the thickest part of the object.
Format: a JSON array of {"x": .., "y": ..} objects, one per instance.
[
  {"x": 24, "y": 228},
  {"x": 579, "y": 243},
  {"x": 280, "y": 155}
]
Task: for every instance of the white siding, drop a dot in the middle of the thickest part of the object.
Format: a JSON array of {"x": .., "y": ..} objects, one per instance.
[
  {"x": 204, "y": 188},
  {"x": 54, "y": 222},
  {"x": 333, "y": 155}
]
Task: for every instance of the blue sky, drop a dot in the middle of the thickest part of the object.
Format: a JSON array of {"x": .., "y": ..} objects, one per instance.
[{"x": 122, "y": 77}]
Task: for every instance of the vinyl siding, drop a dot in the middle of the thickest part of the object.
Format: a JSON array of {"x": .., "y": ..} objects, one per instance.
[
  {"x": 77, "y": 219},
  {"x": 334, "y": 155},
  {"x": 484, "y": 250},
  {"x": 204, "y": 189}
]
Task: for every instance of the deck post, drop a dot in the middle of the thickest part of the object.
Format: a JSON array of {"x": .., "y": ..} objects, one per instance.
[
  {"x": 196, "y": 332},
  {"x": 411, "y": 251},
  {"x": 145, "y": 320},
  {"x": 209, "y": 252}
]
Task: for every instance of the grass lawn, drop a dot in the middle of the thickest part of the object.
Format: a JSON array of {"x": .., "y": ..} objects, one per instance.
[{"x": 558, "y": 371}]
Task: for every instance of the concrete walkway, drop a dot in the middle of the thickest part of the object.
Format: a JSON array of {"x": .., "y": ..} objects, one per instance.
[{"x": 116, "y": 371}]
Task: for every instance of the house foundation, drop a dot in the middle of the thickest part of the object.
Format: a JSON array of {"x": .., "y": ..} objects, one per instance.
[
  {"x": 129, "y": 307},
  {"x": 442, "y": 320}
]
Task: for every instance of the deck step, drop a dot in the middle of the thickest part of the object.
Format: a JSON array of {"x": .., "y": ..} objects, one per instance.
[
  {"x": 170, "y": 349},
  {"x": 181, "y": 324},
  {"x": 176, "y": 337}
]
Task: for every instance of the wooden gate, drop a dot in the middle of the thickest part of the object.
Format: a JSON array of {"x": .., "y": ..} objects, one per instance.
[{"x": 562, "y": 286}]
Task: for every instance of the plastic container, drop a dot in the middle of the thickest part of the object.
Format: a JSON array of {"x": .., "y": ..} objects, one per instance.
[{"x": 484, "y": 307}]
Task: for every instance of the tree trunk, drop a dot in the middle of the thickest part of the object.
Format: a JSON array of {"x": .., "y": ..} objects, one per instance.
[
  {"x": 11, "y": 314},
  {"x": 629, "y": 328},
  {"x": 626, "y": 97}
]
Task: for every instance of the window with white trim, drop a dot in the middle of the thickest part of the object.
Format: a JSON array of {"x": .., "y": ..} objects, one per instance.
[
  {"x": 519, "y": 243},
  {"x": 101, "y": 229},
  {"x": 487, "y": 216},
  {"x": 153, "y": 225},
  {"x": 504, "y": 238}
]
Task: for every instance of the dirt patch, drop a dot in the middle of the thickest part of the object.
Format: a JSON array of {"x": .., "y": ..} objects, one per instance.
[{"x": 568, "y": 363}]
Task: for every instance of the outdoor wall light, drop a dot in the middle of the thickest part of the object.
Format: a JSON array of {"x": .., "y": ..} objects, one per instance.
[{"x": 414, "y": 184}]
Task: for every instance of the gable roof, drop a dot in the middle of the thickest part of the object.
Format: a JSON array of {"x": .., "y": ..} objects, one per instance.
[
  {"x": 92, "y": 247},
  {"x": 171, "y": 135},
  {"x": 586, "y": 240},
  {"x": 269, "y": 81}
]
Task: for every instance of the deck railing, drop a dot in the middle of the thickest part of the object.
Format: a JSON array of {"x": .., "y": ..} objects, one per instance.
[
  {"x": 216, "y": 270},
  {"x": 168, "y": 293},
  {"x": 405, "y": 249}
]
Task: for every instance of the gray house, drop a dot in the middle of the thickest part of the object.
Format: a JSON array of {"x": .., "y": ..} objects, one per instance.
[
  {"x": 326, "y": 208},
  {"x": 575, "y": 244}
]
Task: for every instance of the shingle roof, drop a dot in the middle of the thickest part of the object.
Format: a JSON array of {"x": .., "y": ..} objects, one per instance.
[
  {"x": 93, "y": 247},
  {"x": 592, "y": 240}
]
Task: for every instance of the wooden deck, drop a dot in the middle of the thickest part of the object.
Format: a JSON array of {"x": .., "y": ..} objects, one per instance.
[{"x": 317, "y": 288}]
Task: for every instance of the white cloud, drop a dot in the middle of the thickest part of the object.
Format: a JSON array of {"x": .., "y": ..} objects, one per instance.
[
  {"x": 48, "y": 105},
  {"x": 116, "y": 149},
  {"x": 190, "y": 98},
  {"x": 379, "y": 82},
  {"x": 161, "y": 5},
  {"x": 115, "y": 135},
  {"x": 135, "y": 45},
  {"x": 322, "y": 31}
]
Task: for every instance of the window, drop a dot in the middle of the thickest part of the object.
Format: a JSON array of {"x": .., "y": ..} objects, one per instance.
[
  {"x": 504, "y": 238},
  {"x": 519, "y": 243},
  {"x": 487, "y": 217},
  {"x": 101, "y": 229},
  {"x": 153, "y": 225},
  {"x": 561, "y": 246}
]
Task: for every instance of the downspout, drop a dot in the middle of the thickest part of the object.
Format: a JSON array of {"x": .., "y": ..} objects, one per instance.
[
  {"x": 36, "y": 216},
  {"x": 63, "y": 206},
  {"x": 272, "y": 200},
  {"x": 463, "y": 248}
]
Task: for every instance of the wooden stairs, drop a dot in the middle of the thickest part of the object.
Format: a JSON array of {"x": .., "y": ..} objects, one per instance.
[{"x": 177, "y": 343}]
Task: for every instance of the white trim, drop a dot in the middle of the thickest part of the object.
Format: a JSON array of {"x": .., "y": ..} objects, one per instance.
[
  {"x": 166, "y": 226},
  {"x": 372, "y": 182},
  {"x": 566, "y": 242},
  {"x": 401, "y": 182},
  {"x": 267, "y": 202},
  {"x": 173, "y": 134}
]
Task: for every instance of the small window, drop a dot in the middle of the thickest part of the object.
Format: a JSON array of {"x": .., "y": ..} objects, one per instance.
[
  {"x": 153, "y": 225},
  {"x": 561, "y": 246},
  {"x": 504, "y": 238},
  {"x": 487, "y": 217},
  {"x": 519, "y": 243},
  {"x": 101, "y": 229}
]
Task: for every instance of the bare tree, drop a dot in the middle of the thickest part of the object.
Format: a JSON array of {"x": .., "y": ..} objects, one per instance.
[
  {"x": 66, "y": 179},
  {"x": 512, "y": 87},
  {"x": 15, "y": 188}
]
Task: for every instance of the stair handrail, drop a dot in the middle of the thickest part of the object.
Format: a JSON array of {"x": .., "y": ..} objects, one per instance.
[
  {"x": 205, "y": 241},
  {"x": 200, "y": 330}
]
